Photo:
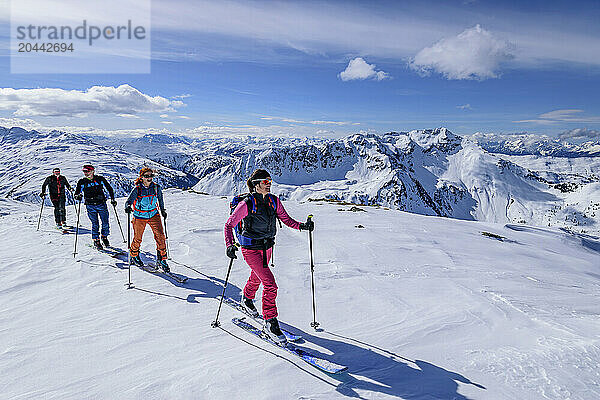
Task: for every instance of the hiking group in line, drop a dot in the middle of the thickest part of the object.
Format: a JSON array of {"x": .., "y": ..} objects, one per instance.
[{"x": 253, "y": 218}]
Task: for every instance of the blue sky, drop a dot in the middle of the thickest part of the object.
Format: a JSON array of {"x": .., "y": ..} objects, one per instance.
[{"x": 334, "y": 68}]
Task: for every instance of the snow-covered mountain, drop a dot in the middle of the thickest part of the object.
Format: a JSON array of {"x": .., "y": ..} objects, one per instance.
[
  {"x": 391, "y": 170},
  {"x": 28, "y": 157},
  {"x": 430, "y": 172},
  {"x": 198, "y": 156}
]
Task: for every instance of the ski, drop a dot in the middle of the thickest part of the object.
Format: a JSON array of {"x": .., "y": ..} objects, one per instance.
[
  {"x": 236, "y": 304},
  {"x": 317, "y": 362},
  {"x": 65, "y": 229},
  {"x": 114, "y": 252},
  {"x": 154, "y": 270}
]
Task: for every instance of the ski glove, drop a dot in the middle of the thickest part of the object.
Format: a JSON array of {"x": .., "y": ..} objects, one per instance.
[
  {"x": 42, "y": 195},
  {"x": 78, "y": 196},
  {"x": 113, "y": 202},
  {"x": 127, "y": 209},
  {"x": 307, "y": 226},
  {"x": 164, "y": 214},
  {"x": 231, "y": 251}
]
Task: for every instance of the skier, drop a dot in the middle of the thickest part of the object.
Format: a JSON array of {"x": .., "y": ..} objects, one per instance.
[
  {"x": 91, "y": 187},
  {"x": 259, "y": 212},
  {"x": 145, "y": 200},
  {"x": 58, "y": 186}
]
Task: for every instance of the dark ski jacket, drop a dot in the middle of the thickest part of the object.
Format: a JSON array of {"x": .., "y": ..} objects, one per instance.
[
  {"x": 57, "y": 186},
  {"x": 260, "y": 216},
  {"x": 262, "y": 223},
  {"x": 92, "y": 190}
]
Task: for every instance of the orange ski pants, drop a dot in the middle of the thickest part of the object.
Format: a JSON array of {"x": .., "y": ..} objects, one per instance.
[{"x": 139, "y": 225}]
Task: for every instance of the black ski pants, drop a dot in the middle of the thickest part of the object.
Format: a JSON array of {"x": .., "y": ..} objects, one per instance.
[{"x": 60, "y": 212}]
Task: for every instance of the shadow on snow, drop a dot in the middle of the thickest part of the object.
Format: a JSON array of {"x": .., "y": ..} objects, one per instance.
[{"x": 370, "y": 368}]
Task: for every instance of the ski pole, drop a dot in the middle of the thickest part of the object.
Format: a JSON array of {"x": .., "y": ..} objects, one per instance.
[
  {"x": 119, "y": 223},
  {"x": 313, "y": 324},
  {"x": 41, "y": 209},
  {"x": 77, "y": 229},
  {"x": 167, "y": 239},
  {"x": 216, "y": 323},
  {"x": 129, "y": 286}
]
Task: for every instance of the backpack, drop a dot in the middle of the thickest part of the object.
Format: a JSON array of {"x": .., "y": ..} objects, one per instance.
[{"x": 251, "y": 204}]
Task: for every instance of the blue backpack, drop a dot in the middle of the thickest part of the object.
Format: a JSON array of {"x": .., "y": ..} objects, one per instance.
[{"x": 251, "y": 204}]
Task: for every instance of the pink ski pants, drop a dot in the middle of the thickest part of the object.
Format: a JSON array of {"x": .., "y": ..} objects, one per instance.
[{"x": 259, "y": 275}]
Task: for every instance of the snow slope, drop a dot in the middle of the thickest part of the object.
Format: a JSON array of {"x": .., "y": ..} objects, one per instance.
[{"x": 418, "y": 308}]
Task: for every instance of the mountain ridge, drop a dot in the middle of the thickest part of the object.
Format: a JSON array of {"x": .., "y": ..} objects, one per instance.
[{"x": 429, "y": 171}]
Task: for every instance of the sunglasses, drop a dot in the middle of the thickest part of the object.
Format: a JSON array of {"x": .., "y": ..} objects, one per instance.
[
  {"x": 85, "y": 171},
  {"x": 263, "y": 181},
  {"x": 148, "y": 176}
]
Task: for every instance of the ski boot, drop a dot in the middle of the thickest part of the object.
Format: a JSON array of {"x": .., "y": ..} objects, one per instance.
[
  {"x": 98, "y": 245},
  {"x": 105, "y": 241},
  {"x": 137, "y": 261},
  {"x": 163, "y": 264},
  {"x": 248, "y": 305},
  {"x": 272, "y": 330}
]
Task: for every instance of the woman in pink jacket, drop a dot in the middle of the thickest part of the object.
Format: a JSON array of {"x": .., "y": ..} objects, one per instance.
[{"x": 259, "y": 212}]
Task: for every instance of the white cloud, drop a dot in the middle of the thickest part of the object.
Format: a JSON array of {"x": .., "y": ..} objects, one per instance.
[
  {"x": 473, "y": 54},
  {"x": 566, "y": 115},
  {"x": 133, "y": 116},
  {"x": 580, "y": 133},
  {"x": 164, "y": 115},
  {"x": 358, "y": 68},
  {"x": 30, "y": 124},
  {"x": 536, "y": 121},
  {"x": 333, "y": 123},
  {"x": 465, "y": 107},
  {"x": 202, "y": 30},
  {"x": 24, "y": 123},
  {"x": 316, "y": 122},
  {"x": 207, "y": 129},
  {"x": 272, "y": 130},
  {"x": 181, "y": 96},
  {"x": 166, "y": 122},
  {"x": 560, "y": 115},
  {"x": 373, "y": 28},
  {"x": 182, "y": 116},
  {"x": 76, "y": 103},
  {"x": 307, "y": 28}
]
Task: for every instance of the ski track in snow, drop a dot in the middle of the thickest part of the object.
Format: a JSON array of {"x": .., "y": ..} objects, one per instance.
[{"x": 417, "y": 307}]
